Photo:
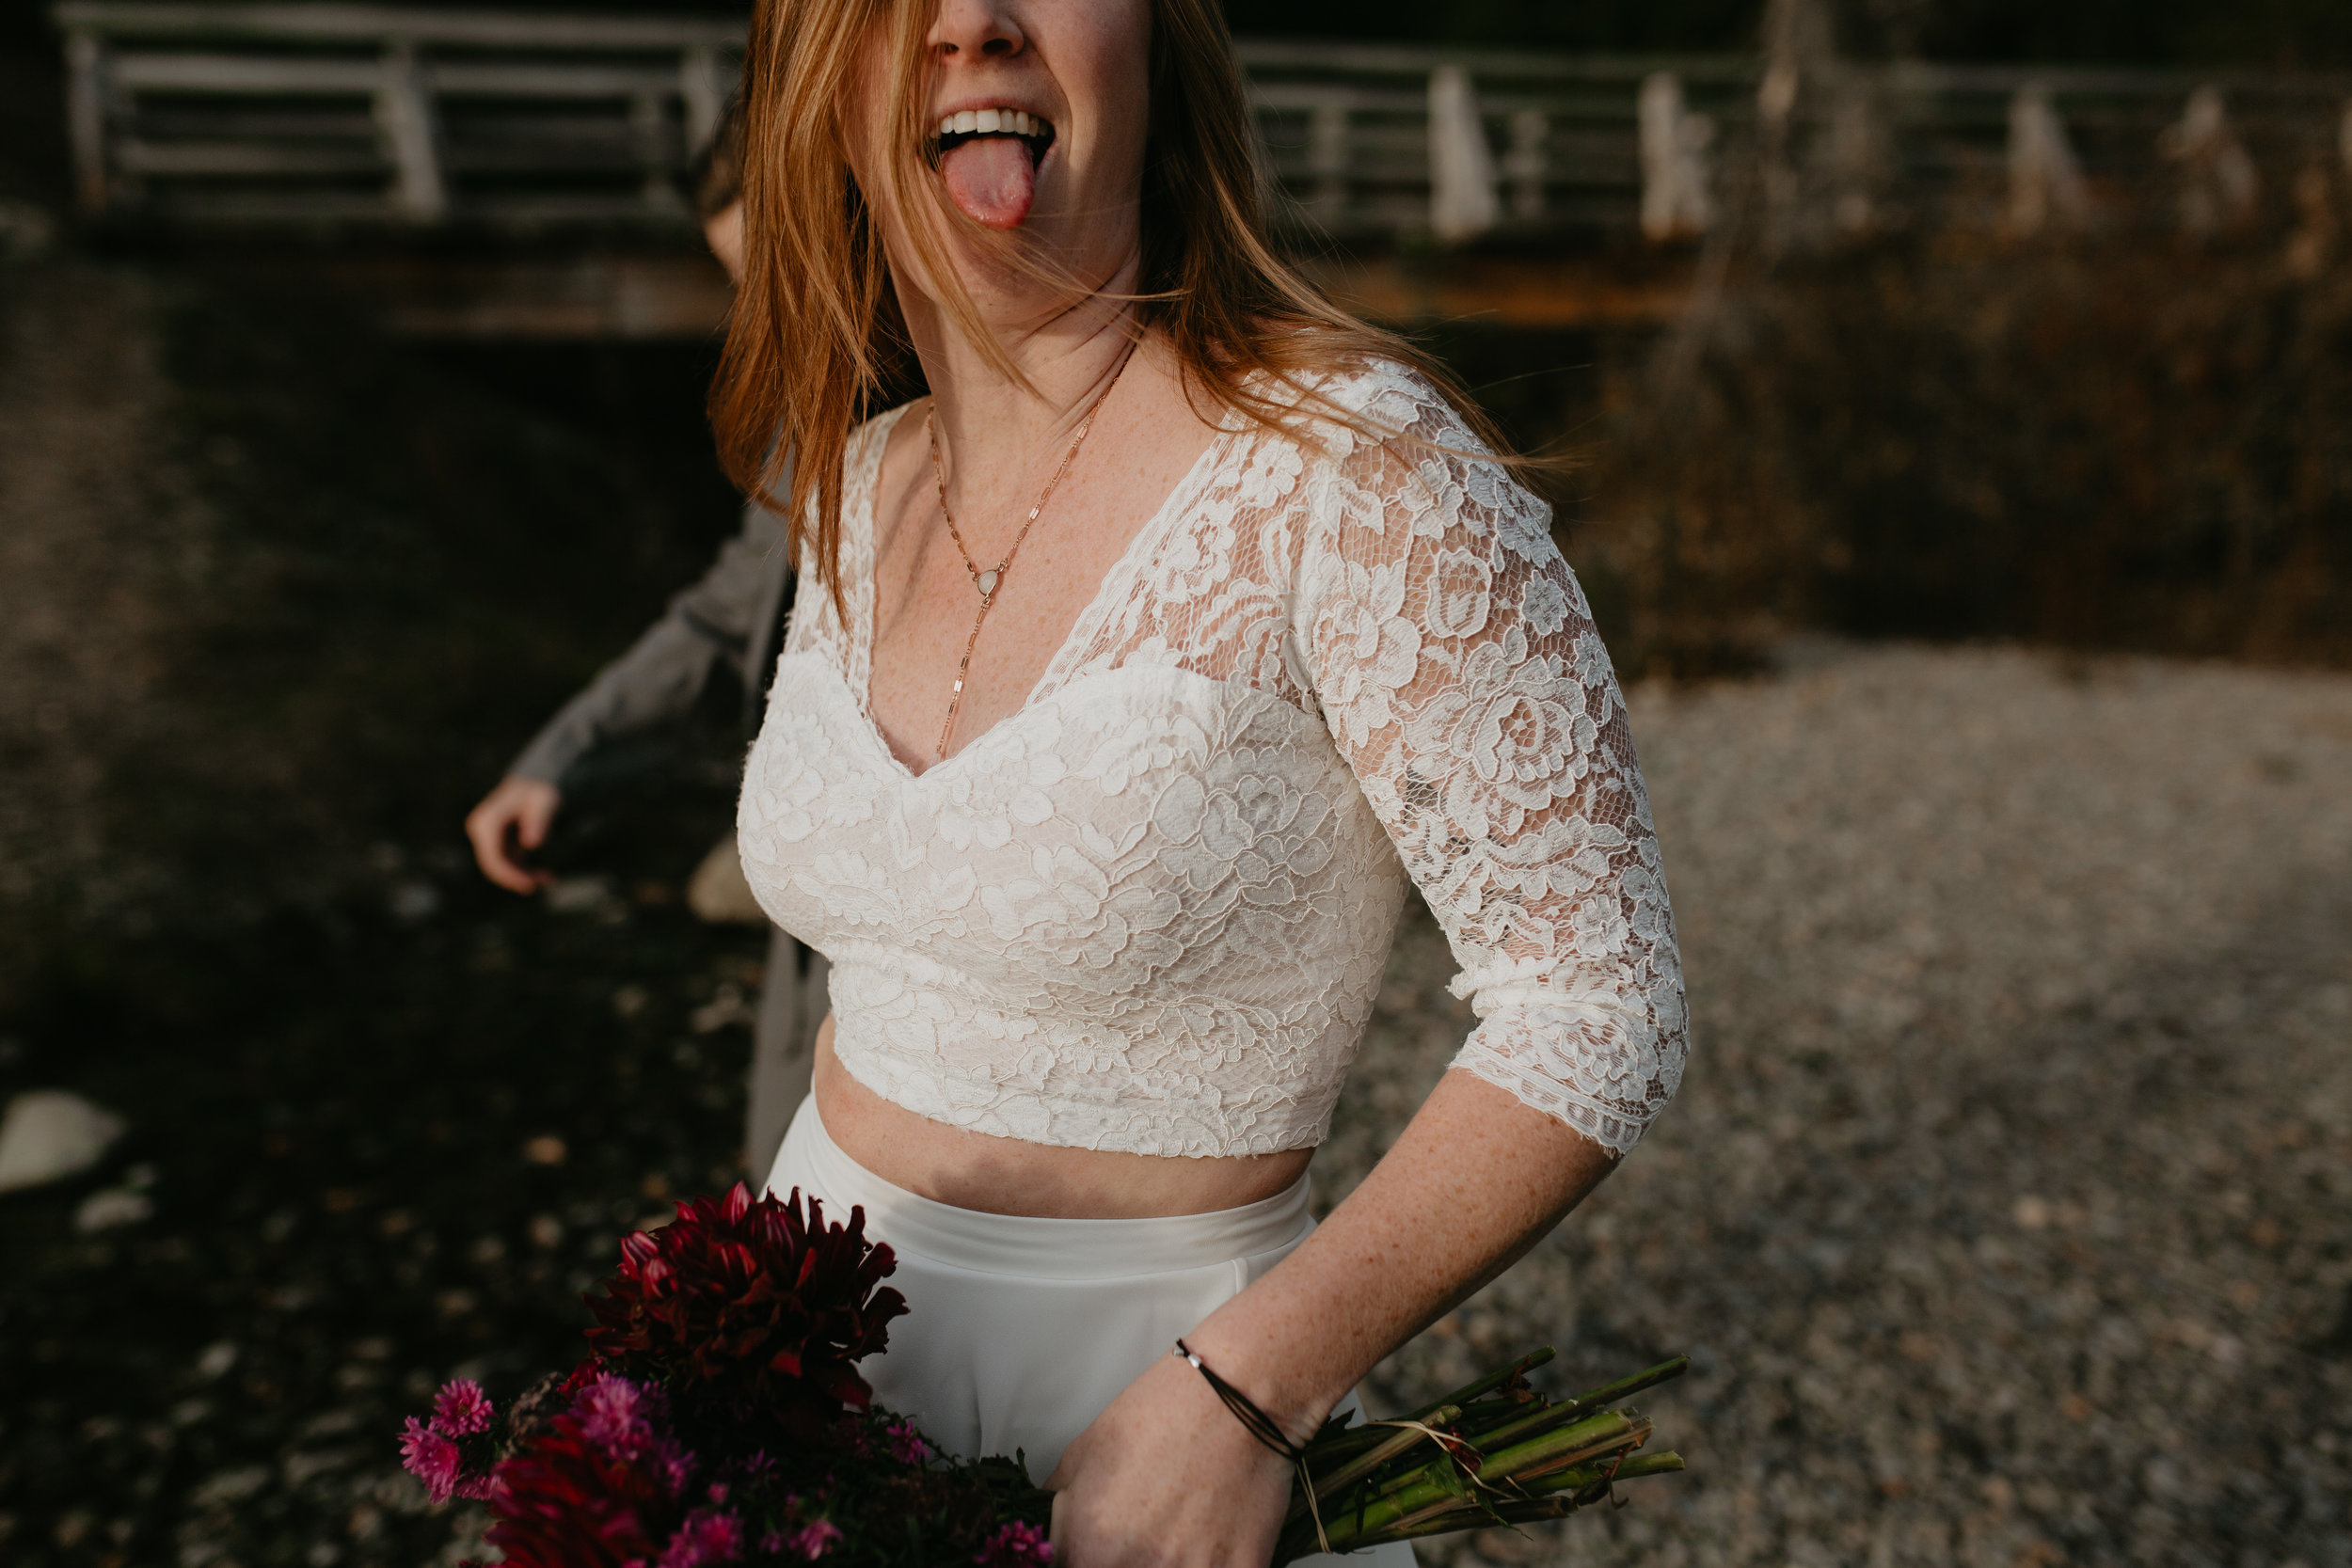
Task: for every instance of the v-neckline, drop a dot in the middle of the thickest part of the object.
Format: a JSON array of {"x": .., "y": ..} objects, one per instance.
[{"x": 861, "y": 515}]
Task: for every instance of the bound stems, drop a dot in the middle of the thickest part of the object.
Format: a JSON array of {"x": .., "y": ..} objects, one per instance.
[{"x": 1493, "y": 1451}]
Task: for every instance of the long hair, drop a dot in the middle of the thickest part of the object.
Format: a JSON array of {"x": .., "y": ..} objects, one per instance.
[{"x": 816, "y": 334}]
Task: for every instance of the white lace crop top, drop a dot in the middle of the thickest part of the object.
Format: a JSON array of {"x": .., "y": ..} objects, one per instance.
[{"x": 1148, "y": 911}]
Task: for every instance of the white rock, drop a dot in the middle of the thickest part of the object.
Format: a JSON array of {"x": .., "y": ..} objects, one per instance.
[
  {"x": 103, "y": 1211},
  {"x": 48, "y": 1134},
  {"x": 720, "y": 893},
  {"x": 583, "y": 896}
]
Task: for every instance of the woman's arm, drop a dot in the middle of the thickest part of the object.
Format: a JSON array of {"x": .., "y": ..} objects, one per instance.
[
  {"x": 1477, "y": 1179},
  {"x": 1460, "y": 677},
  {"x": 1166, "y": 1475}
]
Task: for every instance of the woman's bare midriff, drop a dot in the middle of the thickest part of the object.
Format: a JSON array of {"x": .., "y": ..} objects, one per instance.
[{"x": 1006, "y": 1176}]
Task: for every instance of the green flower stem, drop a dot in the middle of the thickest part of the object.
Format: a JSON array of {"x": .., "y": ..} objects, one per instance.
[
  {"x": 1470, "y": 1391},
  {"x": 1563, "y": 1446},
  {"x": 1626, "y": 1387},
  {"x": 1436, "y": 1487},
  {"x": 1633, "y": 1468},
  {"x": 1567, "y": 1488},
  {"x": 1356, "y": 1469},
  {"x": 1542, "y": 1418},
  {"x": 1536, "y": 1458}
]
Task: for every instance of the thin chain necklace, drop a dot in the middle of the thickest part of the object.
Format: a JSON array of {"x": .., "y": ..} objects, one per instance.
[{"x": 989, "y": 580}]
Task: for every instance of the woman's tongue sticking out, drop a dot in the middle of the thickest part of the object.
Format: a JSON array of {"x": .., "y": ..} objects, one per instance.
[{"x": 990, "y": 180}]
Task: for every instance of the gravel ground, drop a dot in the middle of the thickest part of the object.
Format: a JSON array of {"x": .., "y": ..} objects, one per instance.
[
  {"x": 2004, "y": 1210},
  {"x": 2007, "y": 1208}
]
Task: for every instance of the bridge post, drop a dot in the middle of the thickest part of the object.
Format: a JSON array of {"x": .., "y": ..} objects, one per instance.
[
  {"x": 2046, "y": 182},
  {"x": 1527, "y": 162},
  {"x": 703, "y": 91},
  {"x": 649, "y": 124},
  {"x": 1327, "y": 162},
  {"x": 85, "y": 114},
  {"x": 404, "y": 114},
  {"x": 1462, "y": 200}
]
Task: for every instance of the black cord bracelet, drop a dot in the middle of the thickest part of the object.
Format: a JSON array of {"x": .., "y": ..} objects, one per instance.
[
  {"x": 1256, "y": 1422},
  {"x": 1265, "y": 1429}
]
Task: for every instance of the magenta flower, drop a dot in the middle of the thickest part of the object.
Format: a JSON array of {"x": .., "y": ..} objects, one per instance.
[
  {"x": 461, "y": 1409},
  {"x": 814, "y": 1539},
  {"x": 673, "y": 1462},
  {"x": 613, "y": 1415},
  {"x": 906, "y": 1445},
  {"x": 708, "y": 1536},
  {"x": 1016, "y": 1545},
  {"x": 432, "y": 1458}
]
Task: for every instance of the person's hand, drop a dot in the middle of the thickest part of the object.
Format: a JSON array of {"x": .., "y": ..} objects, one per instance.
[
  {"x": 1166, "y": 1477},
  {"x": 524, "y": 808}
]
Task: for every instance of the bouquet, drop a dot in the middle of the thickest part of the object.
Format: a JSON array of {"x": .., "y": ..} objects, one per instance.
[{"x": 720, "y": 1419}]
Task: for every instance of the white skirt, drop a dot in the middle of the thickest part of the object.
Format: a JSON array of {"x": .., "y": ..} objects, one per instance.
[{"x": 1020, "y": 1331}]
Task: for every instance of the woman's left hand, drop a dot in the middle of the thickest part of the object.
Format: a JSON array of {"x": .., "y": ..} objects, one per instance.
[{"x": 1166, "y": 1477}]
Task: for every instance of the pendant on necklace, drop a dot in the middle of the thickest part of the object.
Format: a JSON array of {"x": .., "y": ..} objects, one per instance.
[{"x": 987, "y": 584}]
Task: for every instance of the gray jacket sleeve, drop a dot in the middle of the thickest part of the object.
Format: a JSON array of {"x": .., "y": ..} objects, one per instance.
[{"x": 662, "y": 674}]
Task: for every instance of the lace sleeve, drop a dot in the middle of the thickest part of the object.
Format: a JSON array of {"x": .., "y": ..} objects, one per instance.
[{"x": 1460, "y": 675}]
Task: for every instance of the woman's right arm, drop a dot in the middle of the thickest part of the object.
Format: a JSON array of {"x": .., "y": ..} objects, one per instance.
[{"x": 657, "y": 681}]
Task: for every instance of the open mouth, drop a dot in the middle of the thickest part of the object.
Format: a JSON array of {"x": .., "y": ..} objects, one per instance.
[{"x": 1033, "y": 131}]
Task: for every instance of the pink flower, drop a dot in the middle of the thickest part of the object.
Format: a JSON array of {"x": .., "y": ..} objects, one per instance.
[
  {"x": 613, "y": 1415},
  {"x": 1016, "y": 1545},
  {"x": 906, "y": 1445},
  {"x": 814, "y": 1539},
  {"x": 461, "y": 1409},
  {"x": 708, "y": 1536},
  {"x": 432, "y": 1458},
  {"x": 673, "y": 1462}
]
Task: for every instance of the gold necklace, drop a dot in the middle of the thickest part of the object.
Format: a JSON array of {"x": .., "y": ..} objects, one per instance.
[{"x": 988, "y": 581}]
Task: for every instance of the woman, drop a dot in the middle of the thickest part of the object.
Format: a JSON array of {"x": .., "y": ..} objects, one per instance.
[{"x": 1139, "y": 665}]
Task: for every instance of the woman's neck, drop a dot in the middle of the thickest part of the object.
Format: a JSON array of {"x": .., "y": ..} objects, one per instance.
[{"x": 995, "y": 435}]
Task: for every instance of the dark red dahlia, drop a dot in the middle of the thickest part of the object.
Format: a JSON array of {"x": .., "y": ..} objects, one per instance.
[
  {"x": 746, "y": 1308},
  {"x": 566, "y": 1502}
]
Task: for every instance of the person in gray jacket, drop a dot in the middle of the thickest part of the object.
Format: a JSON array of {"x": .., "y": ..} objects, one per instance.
[{"x": 735, "y": 614}]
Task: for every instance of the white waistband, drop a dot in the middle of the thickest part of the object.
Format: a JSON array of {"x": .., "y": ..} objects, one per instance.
[{"x": 1021, "y": 1244}]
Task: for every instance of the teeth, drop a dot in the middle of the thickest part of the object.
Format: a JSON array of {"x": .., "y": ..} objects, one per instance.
[{"x": 1019, "y": 122}]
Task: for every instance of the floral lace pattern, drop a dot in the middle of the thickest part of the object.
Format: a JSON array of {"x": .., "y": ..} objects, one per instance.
[{"x": 1148, "y": 911}]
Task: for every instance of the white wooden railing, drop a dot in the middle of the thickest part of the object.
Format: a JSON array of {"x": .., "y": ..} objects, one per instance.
[
  {"x": 337, "y": 113},
  {"x": 334, "y": 116}
]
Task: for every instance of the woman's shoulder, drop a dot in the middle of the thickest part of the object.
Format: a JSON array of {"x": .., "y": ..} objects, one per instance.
[
  {"x": 1376, "y": 403},
  {"x": 867, "y": 439}
]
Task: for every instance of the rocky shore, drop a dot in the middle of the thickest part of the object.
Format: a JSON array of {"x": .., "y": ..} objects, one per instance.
[{"x": 2007, "y": 1208}]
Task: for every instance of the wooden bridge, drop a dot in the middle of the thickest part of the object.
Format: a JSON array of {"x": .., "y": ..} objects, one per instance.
[{"x": 357, "y": 122}]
